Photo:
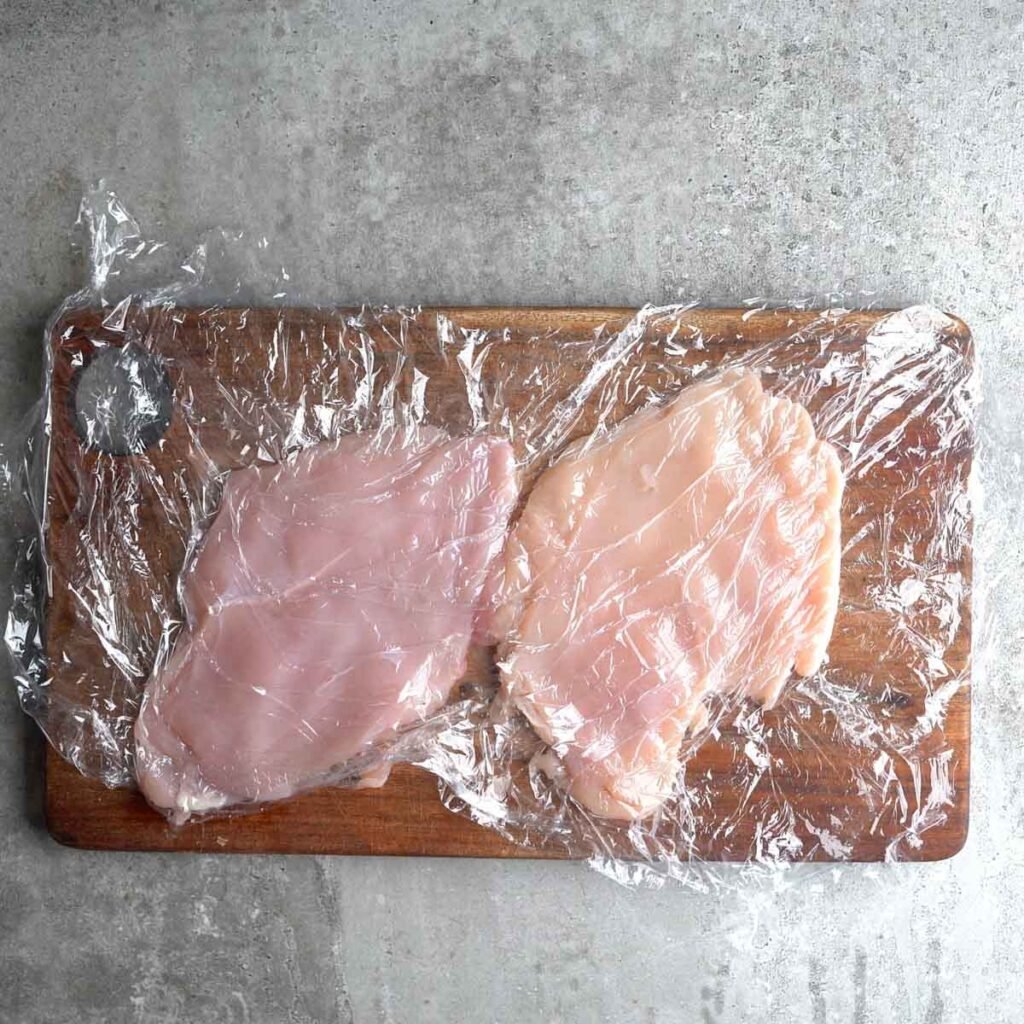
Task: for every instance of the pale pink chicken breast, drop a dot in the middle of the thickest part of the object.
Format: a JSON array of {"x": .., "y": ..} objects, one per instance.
[
  {"x": 331, "y": 607},
  {"x": 693, "y": 551}
]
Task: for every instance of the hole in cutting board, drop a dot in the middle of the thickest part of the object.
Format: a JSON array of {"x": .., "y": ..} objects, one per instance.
[{"x": 121, "y": 400}]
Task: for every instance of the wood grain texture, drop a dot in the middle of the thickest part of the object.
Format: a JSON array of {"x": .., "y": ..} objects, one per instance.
[{"x": 817, "y": 778}]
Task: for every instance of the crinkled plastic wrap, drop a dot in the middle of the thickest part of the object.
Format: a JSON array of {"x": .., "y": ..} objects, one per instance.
[{"x": 644, "y": 588}]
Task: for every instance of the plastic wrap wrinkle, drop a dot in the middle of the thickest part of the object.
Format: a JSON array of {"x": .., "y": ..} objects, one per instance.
[{"x": 569, "y": 570}]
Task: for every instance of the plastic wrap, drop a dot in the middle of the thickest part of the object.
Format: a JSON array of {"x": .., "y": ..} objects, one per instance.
[{"x": 569, "y": 571}]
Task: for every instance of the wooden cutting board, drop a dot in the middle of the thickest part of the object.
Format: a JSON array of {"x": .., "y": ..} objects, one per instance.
[{"x": 206, "y": 350}]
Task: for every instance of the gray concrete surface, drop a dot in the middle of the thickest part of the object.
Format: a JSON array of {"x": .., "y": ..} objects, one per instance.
[{"x": 551, "y": 152}]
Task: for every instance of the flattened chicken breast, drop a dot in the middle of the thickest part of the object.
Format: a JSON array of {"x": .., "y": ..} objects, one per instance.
[
  {"x": 331, "y": 606},
  {"x": 693, "y": 551}
]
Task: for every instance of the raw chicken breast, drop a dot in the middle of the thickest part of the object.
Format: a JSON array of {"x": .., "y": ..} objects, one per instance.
[
  {"x": 331, "y": 606},
  {"x": 694, "y": 551}
]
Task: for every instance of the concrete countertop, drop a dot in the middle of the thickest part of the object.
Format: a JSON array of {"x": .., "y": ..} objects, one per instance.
[{"x": 559, "y": 152}]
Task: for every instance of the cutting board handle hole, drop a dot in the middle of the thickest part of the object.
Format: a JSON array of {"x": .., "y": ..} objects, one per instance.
[{"x": 121, "y": 400}]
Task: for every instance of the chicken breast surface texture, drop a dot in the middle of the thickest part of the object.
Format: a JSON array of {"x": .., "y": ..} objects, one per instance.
[
  {"x": 693, "y": 551},
  {"x": 331, "y": 605}
]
